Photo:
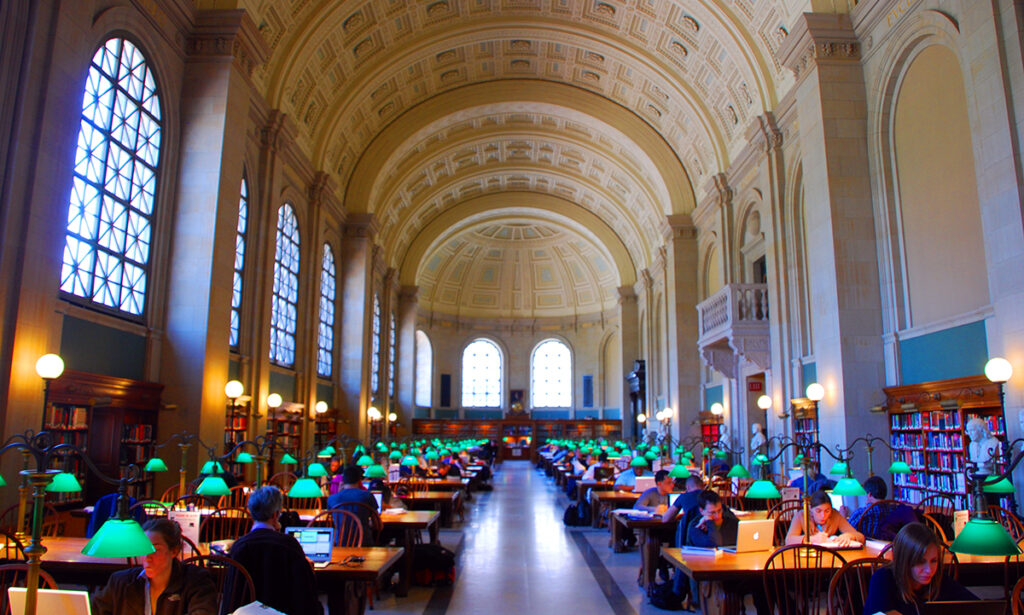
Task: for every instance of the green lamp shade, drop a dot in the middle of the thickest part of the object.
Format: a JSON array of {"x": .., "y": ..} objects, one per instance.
[
  {"x": 244, "y": 457},
  {"x": 431, "y": 455},
  {"x": 899, "y": 467},
  {"x": 678, "y": 471},
  {"x": 799, "y": 459},
  {"x": 324, "y": 453},
  {"x": 330, "y": 450},
  {"x": 288, "y": 459},
  {"x": 706, "y": 451},
  {"x": 119, "y": 538},
  {"x": 395, "y": 455},
  {"x": 305, "y": 488},
  {"x": 209, "y": 465},
  {"x": 763, "y": 489},
  {"x": 359, "y": 449},
  {"x": 213, "y": 485},
  {"x": 650, "y": 455},
  {"x": 656, "y": 448},
  {"x": 761, "y": 459},
  {"x": 156, "y": 465},
  {"x": 838, "y": 469},
  {"x": 416, "y": 451},
  {"x": 316, "y": 470},
  {"x": 738, "y": 471},
  {"x": 720, "y": 454},
  {"x": 848, "y": 486},
  {"x": 3, "y": 483},
  {"x": 410, "y": 461},
  {"x": 376, "y": 471},
  {"x": 365, "y": 461},
  {"x": 64, "y": 482},
  {"x": 984, "y": 537},
  {"x": 688, "y": 454},
  {"x": 642, "y": 446},
  {"x": 1001, "y": 486},
  {"x": 638, "y": 462}
]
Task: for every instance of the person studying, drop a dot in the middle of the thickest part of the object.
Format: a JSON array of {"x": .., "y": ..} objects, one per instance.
[{"x": 829, "y": 528}]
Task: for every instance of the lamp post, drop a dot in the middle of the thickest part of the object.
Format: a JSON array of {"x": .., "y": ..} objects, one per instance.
[
  {"x": 999, "y": 371},
  {"x": 373, "y": 417}
]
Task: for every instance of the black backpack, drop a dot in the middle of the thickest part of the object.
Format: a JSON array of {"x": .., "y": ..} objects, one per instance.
[
  {"x": 432, "y": 565},
  {"x": 577, "y": 514},
  {"x": 662, "y": 597}
]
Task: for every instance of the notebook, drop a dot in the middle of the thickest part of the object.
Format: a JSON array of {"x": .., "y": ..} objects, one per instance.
[
  {"x": 754, "y": 535},
  {"x": 64, "y": 601},
  {"x": 316, "y": 542},
  {"x": 379, "y": 497},
  {"x": 959, "y": 607}
]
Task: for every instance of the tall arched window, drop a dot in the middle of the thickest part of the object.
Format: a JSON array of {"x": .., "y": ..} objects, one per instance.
[
  {"x": 285, "y": 298},
  {"x": 236, "y": 280},
  {"x": 375, "y": 347},
  {"x": 481, "y": 375},
  {"x": 325, "y": 335},
  {"x": 106, "y": 246},
  {"x": 551, "y": 375},
  {"x": 391, "y": 357},
  {"x": 424, "y": 370}
]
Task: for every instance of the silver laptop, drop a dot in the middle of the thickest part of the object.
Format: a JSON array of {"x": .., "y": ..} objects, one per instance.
[
  {"x": 643, "y": 483},
  {"x": 316, "y": 542},
  {"x": 754, "y": 535},
  {"x": 379, "y": 497},
  {"x": 63, "y": 601}
]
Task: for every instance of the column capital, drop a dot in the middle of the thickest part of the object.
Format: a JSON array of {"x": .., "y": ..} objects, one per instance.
[
  {"x": 680, "y": 226},
  {"x": 360, "y": 226},
  {"x": 819, "y": 38},
  {"x": 276, "y": 132},
  {"x": 228, "y": 34},
  {"x": 408, "y": 293},
  {"x": 770, "y": 137},
  {"x": 627, "y": 294},
  {"x": 318, "y": 188}
]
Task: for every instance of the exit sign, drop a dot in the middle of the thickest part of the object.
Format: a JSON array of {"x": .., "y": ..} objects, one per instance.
[{"x": 754, "y": 387}]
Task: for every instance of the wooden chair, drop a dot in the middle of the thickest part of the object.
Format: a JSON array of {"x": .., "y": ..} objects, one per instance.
[
  {"x": 348, "y": 529},
  {"x": 303, "y": 503},
  {"x": 886, "y": 552},
  {"x": 173, "y": 492},
  {"x": 238, "y": 498},
  {"x": 243, "y": 591},
  {"x": 225, "y": 524},
  {"x": 191, "y": 501},
  {"x": 1013, "y": 569},
  {"x": 53, "y": 522},
  {"x": 935, "y": 526},
  {"x": 849, "y": 586},
  {"x": 937, "y": 504},
  {"x": 783, "y": 513},
  {"x": 16, "y": 575},
  {"x": 1008, "y": 520},
  {"x": 9, "y": 519},
  {"x": 735, "y": 502},
  {"x": 283, "y": 481},
  {"x": 885, "y": 505},
  {"x": 372, "y": 529},
  {"x": 414, "y": 486},
  {"x": 152, "y": 509},
  {"x": 12, "y": 549},
  {"x": 1016, "y": 599},
  {"x": 796, "y": 578}
]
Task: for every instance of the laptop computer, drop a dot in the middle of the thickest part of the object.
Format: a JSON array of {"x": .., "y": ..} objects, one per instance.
[
  {"x": 672, "y": 497},
  {"x": 316, "y": 542},
  {"x": 379, "y": 497},
  {"x": 754, "y": 535},
  {"x": 643, "y": 483},
  {"x": 64, "y": 601},
  {"x": 959, "y": 607}
]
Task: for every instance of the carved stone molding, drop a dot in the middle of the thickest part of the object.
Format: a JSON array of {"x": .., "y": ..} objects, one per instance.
[
  {"x": 721, "y": 359},
  {"x": 228, "y": 34},
  {"x": 408, "y": 293},
  {"x": 771, "y": 136},
  {"x": 819, "y": 38},
  {"x": 626, "y": 295},
  {"x": 360, "y": 226},
  {"x": 754, "y": 348},
  {"x": 680, "y": 226},
  {"x": 272, "y": 131},
  {"x": 318, "y": 188}
]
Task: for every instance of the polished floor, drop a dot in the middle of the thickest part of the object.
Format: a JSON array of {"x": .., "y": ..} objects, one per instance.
[{"x": 514, "y": 556}]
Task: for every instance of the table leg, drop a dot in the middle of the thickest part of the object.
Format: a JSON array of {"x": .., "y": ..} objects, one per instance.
[
  {"x": 405, "y": 564},
  {"x": 718, "y": 598},
  {"x": 616, "y": 527},
  {"x": 650, "y": 549},
  {"x": 434, "y": 530},
  {"x": 595, "y": 512}
]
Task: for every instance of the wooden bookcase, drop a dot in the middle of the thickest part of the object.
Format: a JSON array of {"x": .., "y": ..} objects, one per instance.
[
  {"x": 539, "y": 431},
  {"x": 710, "y": 428},
  {"x": 113, "y": 419},
  {"x": 236, "y": 429},
  {"x": 926, "y": 429},
  {"x": 805, "y": 424},
  {"x": 325, "y": 428},
  {"x": 284, "y": 425}
]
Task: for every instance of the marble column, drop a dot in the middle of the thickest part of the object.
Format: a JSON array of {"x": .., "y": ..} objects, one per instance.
[
  {"x": 629, "y": 321},
  {"x": 356, "y": 313},
  {"x": 681, "y": 322},
  {"x": 407, "y": 309}
]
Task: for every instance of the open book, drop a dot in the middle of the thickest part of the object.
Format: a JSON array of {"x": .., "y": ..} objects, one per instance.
[{"x": 832, "y": 544}]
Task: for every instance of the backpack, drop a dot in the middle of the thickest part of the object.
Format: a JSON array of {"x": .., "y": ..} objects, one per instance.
[
  {"x": 432, "y": 565},
  {"x": 662, "y": 597},
  {"x": 577, "y": 514}
]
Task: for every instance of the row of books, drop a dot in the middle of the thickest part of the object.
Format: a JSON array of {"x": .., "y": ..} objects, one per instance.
[
  {"x": 61, "y": 417},
  {"x": 995, "y": 423},
  {"x": 238, "y": 422},
  {"x": 915, "y": 496},
  {"x": 946, "y": 461},
  {"x": 927, "y": 420},
  {"x": 946, "y": 440},
  {"x": 137, "y": 432}
]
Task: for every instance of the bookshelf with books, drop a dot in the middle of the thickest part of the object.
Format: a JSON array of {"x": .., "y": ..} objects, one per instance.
[
  {"x": 926, "y": 423},
  {"x": 284, "y": 426},
  {"x": 325, "y": 428},
  {"x": 236, "y": 429},
  {"x": 805, "y": 423},
  {"x": 710, "y": 428}
]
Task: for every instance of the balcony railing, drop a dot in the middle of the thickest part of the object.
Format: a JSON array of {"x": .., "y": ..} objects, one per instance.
[{"x": 734, "y": 306}]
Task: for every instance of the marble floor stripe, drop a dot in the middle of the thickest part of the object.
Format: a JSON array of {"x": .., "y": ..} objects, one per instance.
[{"x": 616, "y": 599}]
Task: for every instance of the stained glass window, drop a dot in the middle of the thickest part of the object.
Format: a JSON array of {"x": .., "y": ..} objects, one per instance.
[
  {"x": 325, "y": 336},
  {"x": 391, "y": 357},
  {"x": 285, "y": 296},
  {"x": 236, "y": 281},
  {"x": 551, "y": 375},
  {"x": 481, "y": 375},
  {"x": 375, "y": 348},
  {"x": 424, "y": 370},
  {"x": 106, "y": 246}
]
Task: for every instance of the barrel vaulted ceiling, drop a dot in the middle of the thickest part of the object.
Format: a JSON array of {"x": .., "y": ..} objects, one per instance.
[{"x": 566, "y": 130}]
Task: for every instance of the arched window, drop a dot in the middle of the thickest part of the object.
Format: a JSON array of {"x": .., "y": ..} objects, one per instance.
[
  {"x": 375, "y": 347},
  {"x": 236, "y": 280},
  {"x": 285, "y": 298},
  {"x": 106, "y": 246},
  {"x": 481, "y": 375},
  {"x": 551, "y": 375},
  {"x": 325, "y": 336},
  {"x": 391, "y": 357},
  {"x": 424, "y": 370}
]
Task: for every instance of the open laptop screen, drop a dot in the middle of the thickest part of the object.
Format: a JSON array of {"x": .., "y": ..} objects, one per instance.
[
  {"x": 377, "y": 495},
  {"x": 63, "y": 601},
  {"x": 316, "y": 542}
]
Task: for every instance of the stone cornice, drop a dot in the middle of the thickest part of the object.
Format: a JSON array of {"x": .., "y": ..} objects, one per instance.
[
  {"x": 680, "y": 226},
  {"x": 819, "y": 38},
  {"x": 228, "y": 34},
  {"x": 360, "y": 226}
]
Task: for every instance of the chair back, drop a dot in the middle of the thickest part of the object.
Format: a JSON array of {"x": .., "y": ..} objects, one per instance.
[
  {"x": 303, "y": 503},
  {"x": 283, "y": 481},
  {"x": 173, "y": 492},
  {"x": 1009, "y": 521},
  {"x": 12, "y": 549},
  {"x": 238, "y": 498},
  {"x": 1016, "y": 600},
  {"x": 796, "y": 578},
  {"x": 240, "y": 590},
  {"x": 225, "y": 524},
  {"x": 933, "y": 524},
  {"x": 188, "y": 502},
  {"x": 348, "y": 528},
  {"x": 415, "y": 486},
  {"x": 884, "y": 507},
  {"x": 849, "y": 586},
  {"x": 735, "y": 502},
  {"x": 16, "y": 575},
  {"x": 368, "y": 517},
  {"x": 151, "y": 509},
  {"x": 785, "y": 510},
  {"x": 937, "y": 504}
]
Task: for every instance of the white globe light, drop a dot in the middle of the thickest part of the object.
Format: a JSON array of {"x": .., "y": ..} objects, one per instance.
[
  {"x": 49, "y": 366},
  {"x": 997, "y": 369},
  {"x": 764, "y": 402},
  {"x": 233, "y": 389},
  {"x": 815, "y": 392},
  {"x": 669, "y": 413},
  {"x": 274, "y": 400},
  {"x": 717, "y": 408},
  {"x": 320, "y": 407},
  {"x": 373, "y": 413},
  {"x": 392, "y": 417},
  {"x": 641, "y": 418}
]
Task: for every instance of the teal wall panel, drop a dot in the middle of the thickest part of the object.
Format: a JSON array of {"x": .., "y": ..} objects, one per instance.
[
  {"x": 551, "y": 414},
  {"x": 810, "y": 376},
  {"x": 483, "y": 414},
  {"x": 950, "y": 353},
  {"x": 613, "y": 414},
  {"x": 283, "y": 385},
  {"x": 446, "y": 414},
  {"x": 90, "y": 347},
  {"x": 588, "y": 414},
  {"x": 712, "y": 395}
]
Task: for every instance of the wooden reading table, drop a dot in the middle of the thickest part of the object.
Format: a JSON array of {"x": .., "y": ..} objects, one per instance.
[
  {"x": 601, "y": 501},
  {"x": 410, "y": 523},
  {"x": 444, "y": 501}
]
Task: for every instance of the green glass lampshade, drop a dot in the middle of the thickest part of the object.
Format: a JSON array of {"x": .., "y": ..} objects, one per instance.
[
  {"x": 209, "y": 465},
  {"x": 1002, "y": 486},
  {"x": 119, "y": 538},
  {"x": 316, "y": 470},
  {"x": 706, "y": 451},
  {"x": 324, "y": 454},
  {"x": 738, "y": 471},
  {"x": 213, "y": 485},
  {"x": 431, "y": 455},
  {"x": 416, "y": 451},
  {"x": 656, "y": 448},
  {"x": 638, "y": 462},
  {"x": 763, "y": 489},
  {"x": 395, "y": 455},
  {"x": 838, "y": 469},
  {"x": 799, "y": 459},
  {"x": 679, "y": 471},
  {"x": 410, "y": 461},
  {"x": 156, "y": 465},
  {"x": 64, "y": 482},
  {"x": 720, "y": 454},
  {"x": 359, "y": 449},
  {"x": 642, "y": 446},
  {"x": 650, "y": 455},
  {"x": 761, "y": 459},
  {"x": 365, "y": 461},
  {"x": 330, "y": 450},
  {"x": 899, "y": 467},
  {"x": 288, "y": 459},
  {"x": 305, "y": 488},
  {"x": 688, "y": 454},
  {"x": 3, "y": 483},
  {"x": 848, "y": 486},
  {"x": 376, "y": 471},
  {"x": 984, "y": 537},
  {"x": 446, "y": 452},
  {"x": 403, "y": 446}
]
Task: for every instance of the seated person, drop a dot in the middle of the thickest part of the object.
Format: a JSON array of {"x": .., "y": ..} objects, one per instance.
[
  {"x": 352, "y": 491},
  {"x": 627, "y": 479},
  {"x": 881, "y": 521},
  {"x": 171, "y": 587},
  {"x": 685, "y": 501},
  {"x": 827, "y": 524},
  {"x": 602, "y": 463},
  {"x": 915, "y": 576},
  {"x": 819, "y": 482},
  {"x": 655, "y": 499},
  {"x": 279, "y": 569}
]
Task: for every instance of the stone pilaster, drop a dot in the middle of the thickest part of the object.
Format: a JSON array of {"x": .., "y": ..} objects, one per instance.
[
  {"x": 356, "y": 292},
  {"x": 629, "y": 320},
  {"x": 408, "y": 301},
  {"x": 681, "y": 322}
]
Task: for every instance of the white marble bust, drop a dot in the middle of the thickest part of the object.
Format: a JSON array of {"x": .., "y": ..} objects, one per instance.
[
  {"x": 724, "y": 441},
  {"x": 757, "y": 439},
  {"x": 984, "y": 447}
]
